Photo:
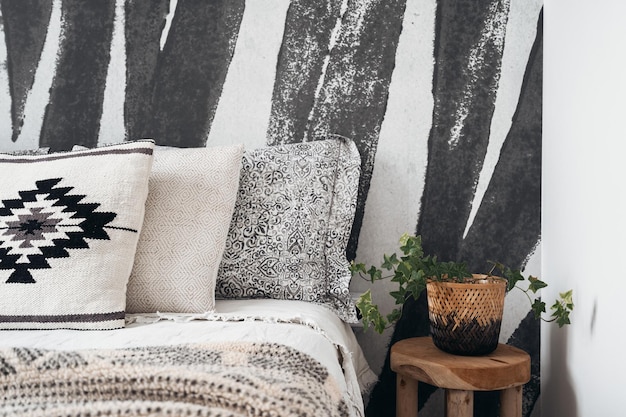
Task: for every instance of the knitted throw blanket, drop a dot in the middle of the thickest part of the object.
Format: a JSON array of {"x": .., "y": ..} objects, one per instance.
[{"x": 233, "y": 379}]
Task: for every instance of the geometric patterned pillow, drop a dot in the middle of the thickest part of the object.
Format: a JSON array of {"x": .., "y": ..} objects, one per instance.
[
  {"x": 188, "y": 211},
  {"x": 69, "y": 225},
  {"x": 24, "y": 152},
  {"x": 291, "y": 225}
]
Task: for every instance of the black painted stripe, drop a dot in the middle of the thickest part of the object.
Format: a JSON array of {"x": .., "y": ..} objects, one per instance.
[
  {"x": 353, "y": 98},
  {"x": 305, "y": 44},
  {"x": 144, "y": 23},
  {"x": 465, "y": 93},
  {"x": 73, "y": 115},
  {"x": 191, "y": 71},
  {"x": 25, "y": 27},
  {"x": 64, "y": 318},
  {"x": 508, "y": 223}
]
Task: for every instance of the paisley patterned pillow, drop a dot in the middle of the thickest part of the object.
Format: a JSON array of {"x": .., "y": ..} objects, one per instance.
[{"x": 293, "y": 217}]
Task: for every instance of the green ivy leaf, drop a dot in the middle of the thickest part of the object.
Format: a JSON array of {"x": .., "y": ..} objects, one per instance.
[
  {"x": 566, "y": 298},
  {"x": 535, "y": 284},
  {"x": 411, "y": 245},
  {"x": 389, "y": 261},
  {"x": 375, "y": 273},
  {"x": 404, "y": 239},
  {"x": 416, "y": 284},
  {"x": 370, "y": 315},
  {"x": 404, "y": 268},
  {"x": 538, "y": 307},
  {"x": 394, "y": 315},
  {"x": 562, "y": 308},
  {"x": 513, "y": 277},
  {"x": 364, "y": 302},
  {"x": 379, "y": 323},
  {"x": 399, "y": 296},
  {"x": 356, "y": 268},
  {"x": 563, "y": 319}
]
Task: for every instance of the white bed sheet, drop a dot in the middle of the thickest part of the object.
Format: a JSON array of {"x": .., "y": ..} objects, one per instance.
[{"x": 311, "y": 328}]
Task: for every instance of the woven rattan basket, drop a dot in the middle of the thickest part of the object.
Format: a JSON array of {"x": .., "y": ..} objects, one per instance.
[{"x": 465, "y": 318}]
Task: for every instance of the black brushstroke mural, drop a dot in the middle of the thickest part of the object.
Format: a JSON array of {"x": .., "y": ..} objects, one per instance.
[
  {"x": 354, "y": 93},
  {"x": 73, "y": 113},
  {"x": 468, "y": 55},
  {"x": 507, "y": 226},
  {"x": 144, "y": 23},
  {"x": 333, "y": 73},
  {"x": 25, "y": 26},
  {"x": 464, "y": 91},
  {"x": 354, "y": 87},
  {"x": 508, "y": 223},
  {"x": 305, "y": 45},
  {"x": 190, "y": 72}
]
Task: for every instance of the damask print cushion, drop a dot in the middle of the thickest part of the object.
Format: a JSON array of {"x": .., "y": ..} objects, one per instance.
[
  {"x": 292, "y": 221},
  {"x": 69, "y": 226},
  {"x": 190, "y": 204}
]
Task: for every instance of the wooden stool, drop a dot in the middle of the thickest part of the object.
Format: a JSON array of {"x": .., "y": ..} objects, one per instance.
[{"x": 418, "y": 359}]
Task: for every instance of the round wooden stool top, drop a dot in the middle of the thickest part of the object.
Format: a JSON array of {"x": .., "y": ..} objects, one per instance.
[{"x": 420, "y": 359}]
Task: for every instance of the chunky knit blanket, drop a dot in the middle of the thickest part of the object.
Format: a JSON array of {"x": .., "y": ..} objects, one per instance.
[{"x": 235, "y": 379}]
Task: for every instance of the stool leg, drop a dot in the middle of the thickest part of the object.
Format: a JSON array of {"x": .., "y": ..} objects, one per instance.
[
  {"x": 459, "y": 403},
  {"x": 406, "y": 396},
  {"x": 511, "y": 402}
]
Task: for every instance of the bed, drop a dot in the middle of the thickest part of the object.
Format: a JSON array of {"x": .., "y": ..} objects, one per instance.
[
  {"x": 209, "y": 282},
  {"x": 287, "y": 338}
]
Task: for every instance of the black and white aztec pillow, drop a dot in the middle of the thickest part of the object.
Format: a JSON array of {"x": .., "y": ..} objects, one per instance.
[
  {"x": 291, "y": 225},
  {"x": 69, "y": 225},
  {"x": 37, "y": 151}
]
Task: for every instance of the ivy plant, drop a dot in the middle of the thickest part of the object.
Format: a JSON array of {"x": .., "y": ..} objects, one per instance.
[{"x": 412, "y": 269}]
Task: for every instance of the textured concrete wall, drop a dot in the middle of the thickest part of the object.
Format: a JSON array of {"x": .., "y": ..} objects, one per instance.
[{"x": 443, "y": 99}]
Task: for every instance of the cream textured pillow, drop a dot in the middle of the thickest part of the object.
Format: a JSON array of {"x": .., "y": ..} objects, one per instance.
[
  {"x": 190, "y": 204},
  {"x": 69, "y": 226}
]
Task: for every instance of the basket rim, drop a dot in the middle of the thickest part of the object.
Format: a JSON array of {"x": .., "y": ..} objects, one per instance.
[{"x": 477, "y": 279}]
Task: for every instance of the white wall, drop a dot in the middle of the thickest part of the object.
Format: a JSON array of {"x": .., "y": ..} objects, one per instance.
[{"x": 584, "y": 205}]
